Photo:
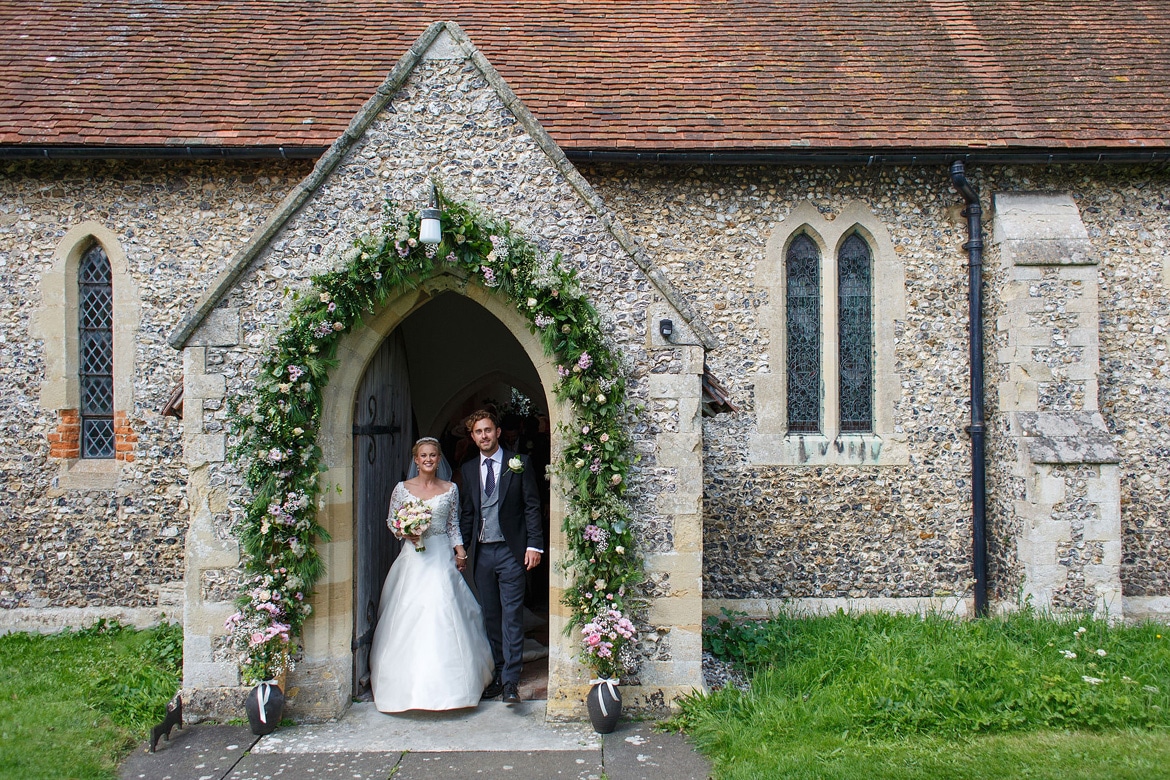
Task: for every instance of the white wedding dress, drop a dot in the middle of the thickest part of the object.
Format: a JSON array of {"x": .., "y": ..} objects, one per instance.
[{"x": 430, "y": 650}]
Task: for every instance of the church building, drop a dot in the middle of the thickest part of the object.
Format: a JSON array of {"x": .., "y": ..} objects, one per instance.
[{"x": 889, "y": 291}]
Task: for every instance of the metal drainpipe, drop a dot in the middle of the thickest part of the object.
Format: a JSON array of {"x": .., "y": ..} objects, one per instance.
[{"x": 974, "y": 247}]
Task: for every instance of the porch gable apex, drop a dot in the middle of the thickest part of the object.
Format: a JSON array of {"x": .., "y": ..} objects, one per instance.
[{"x": 441, "y": 40}]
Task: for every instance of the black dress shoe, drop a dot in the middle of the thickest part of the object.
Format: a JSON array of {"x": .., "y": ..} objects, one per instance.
[
  {"x": 511, "y": 693},
  {"x": 494, "y": 689}
]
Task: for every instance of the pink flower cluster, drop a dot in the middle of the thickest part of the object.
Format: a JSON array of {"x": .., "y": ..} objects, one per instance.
[
  {"x": 272, "y": 632},
  {"x": 256, "y": 631},
  {"x": 598, "y": 536},
  {"x": 285, "y": 512},
  {"x": 584, "y": 362},
  {"x": 295, "y": 373},
  {"x": 262, "y": 631},
  {"x": 604, "y": 631}
]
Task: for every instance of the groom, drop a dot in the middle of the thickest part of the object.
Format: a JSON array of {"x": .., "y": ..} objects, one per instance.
[{"x": 500, "y": 520}]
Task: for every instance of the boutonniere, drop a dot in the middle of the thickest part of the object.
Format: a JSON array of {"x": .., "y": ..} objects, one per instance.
[{"x": 515, "y": 465}]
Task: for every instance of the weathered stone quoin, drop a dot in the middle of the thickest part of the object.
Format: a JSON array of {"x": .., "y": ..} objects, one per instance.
[{"x": 733, "y": 510}]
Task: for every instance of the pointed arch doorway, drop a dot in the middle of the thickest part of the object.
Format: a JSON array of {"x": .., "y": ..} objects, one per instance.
[{"x": 445, "y": 359}]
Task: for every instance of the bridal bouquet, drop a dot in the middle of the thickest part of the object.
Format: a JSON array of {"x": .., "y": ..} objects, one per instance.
[{"x": 412, "y": 519}]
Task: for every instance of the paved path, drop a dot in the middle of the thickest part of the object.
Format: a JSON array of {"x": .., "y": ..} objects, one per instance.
[{"x": 491, "y": 741}]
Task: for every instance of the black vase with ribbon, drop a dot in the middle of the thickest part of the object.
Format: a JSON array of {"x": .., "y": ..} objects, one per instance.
[
  {"x": 265, "y": 706},
  {"x": 605, "y": 705}
]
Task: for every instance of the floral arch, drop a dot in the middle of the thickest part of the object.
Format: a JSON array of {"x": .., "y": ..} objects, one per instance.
[{"x": 275, "y": 429}]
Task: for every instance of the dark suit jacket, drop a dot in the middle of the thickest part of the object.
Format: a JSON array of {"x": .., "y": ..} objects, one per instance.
[{"x": 519, "y": 506}]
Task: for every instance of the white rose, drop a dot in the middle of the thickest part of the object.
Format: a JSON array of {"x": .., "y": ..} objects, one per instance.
[
  {"x": 532, "y": 303},
  {"x": 580, "y": 463},
  {"x": 601, "y": 398}
]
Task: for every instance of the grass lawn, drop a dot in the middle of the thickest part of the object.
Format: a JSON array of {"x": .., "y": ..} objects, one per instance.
[
  {"x": 884, "y": 696},
  {"x": 1043, "y": 755},
  {"x": 73, "y": 704}
]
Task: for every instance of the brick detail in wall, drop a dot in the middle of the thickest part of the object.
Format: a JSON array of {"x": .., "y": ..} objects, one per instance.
[
  {"x": 124, "y": 438},
  {"x": 65, "y": 442}
]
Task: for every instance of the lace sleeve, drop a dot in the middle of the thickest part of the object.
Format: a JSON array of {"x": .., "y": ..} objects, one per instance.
[
  {"x": 453, "y": 532},
  {"x": 396, "y": 503}
]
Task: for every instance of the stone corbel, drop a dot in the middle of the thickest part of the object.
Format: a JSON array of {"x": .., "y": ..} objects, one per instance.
[{"x": 1066, "y": 437}]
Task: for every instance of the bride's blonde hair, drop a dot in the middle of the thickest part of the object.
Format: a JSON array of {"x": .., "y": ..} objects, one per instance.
[{"x": 421, "y": 442}]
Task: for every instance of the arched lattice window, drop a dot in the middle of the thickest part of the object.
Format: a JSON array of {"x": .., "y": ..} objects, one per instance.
[
  {"x": 802, "y": 270},
  {"x": 836, "y": 292},
  {"x": 96, "y": 363},
  {"x": 855, "y": 335}
]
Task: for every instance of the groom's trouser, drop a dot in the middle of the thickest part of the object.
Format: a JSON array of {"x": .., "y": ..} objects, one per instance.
[{"x": 499, "y": 577}]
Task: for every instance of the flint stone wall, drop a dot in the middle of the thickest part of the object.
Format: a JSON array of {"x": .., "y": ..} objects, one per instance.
[
  {"x": 779, "y": 533},
  {"x": 769, "y": 532},
  {"x": 77, "y": 548}
]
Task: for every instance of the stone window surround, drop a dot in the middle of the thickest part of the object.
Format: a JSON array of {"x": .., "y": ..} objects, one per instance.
[
  {"x": 57, "y": 325},
  {"x": 773, "y": 445}
]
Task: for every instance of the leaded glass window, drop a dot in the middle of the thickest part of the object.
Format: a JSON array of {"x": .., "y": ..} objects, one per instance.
[
  {"x": 803, "y": 274},
  {"x": 855, "y": 348},
  {"x": 96, "y": 364}
]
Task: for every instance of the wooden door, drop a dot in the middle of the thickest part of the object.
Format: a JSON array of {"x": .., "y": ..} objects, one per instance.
[{"x": 382, "y": 435}]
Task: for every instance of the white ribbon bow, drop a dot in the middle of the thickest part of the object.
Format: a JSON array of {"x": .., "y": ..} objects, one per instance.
[
  {"x": 613, "y": 691},
  {"x": 263, "y": 692}
]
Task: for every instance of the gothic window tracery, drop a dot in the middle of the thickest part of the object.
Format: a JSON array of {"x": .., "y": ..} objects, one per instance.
[
  {"x": 96, "y": 358},
  {"x": 855, "y": 335},
  {"x": 804, "y": 335}
]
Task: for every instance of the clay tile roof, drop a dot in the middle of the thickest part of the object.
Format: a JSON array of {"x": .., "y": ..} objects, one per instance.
[{"x": 657, "y": 75}]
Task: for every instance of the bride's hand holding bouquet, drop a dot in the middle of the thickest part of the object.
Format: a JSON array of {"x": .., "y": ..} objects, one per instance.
[{"x": 411, "y": 521}]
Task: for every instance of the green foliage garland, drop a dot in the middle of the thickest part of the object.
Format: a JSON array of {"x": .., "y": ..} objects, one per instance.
[{"x": 276, "y": 429}]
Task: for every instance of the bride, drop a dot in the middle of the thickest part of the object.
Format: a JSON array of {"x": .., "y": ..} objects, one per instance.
[{"x": 430, "y": 650}]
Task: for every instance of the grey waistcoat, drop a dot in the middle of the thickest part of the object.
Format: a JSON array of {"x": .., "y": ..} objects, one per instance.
[{"x": 490, "y": 512}]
